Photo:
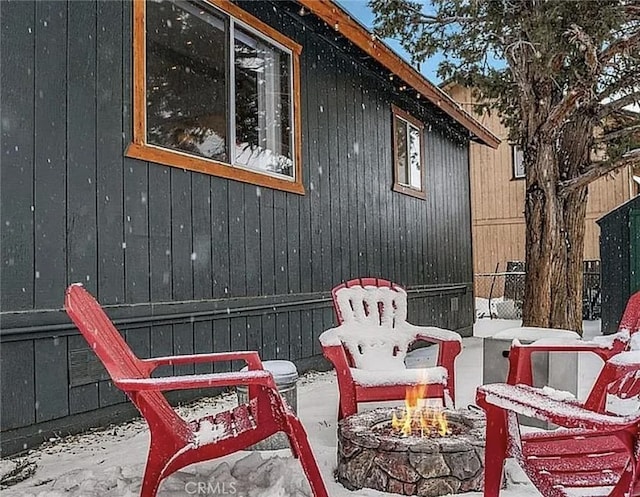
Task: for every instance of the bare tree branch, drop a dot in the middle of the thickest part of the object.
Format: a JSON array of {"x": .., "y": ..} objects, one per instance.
[
  {"x": 562, "y": 110},
  {"x": 597, "y": 170},
  {"x": 614, "y": 105},
  {"x": 616, "y": 135}
]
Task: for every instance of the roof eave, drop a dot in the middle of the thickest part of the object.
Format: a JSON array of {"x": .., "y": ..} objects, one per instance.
[{"x": 343, "y": 23}]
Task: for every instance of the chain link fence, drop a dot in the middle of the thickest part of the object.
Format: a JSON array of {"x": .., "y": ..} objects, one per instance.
[{"x": 500, "y": 295}]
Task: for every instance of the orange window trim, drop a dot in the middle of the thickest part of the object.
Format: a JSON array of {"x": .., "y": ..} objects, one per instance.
[
  {"x": 397, "y": 186},
  {"x": 140, "y": 149}
]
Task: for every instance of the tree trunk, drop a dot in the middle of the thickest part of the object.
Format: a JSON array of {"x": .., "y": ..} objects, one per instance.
[{"x": 555, "y": 221}]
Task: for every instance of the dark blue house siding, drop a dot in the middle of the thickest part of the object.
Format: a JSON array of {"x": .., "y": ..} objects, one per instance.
[{"x": 187, "y": 262}]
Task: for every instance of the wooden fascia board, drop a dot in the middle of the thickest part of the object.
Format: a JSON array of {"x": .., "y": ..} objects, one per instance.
[{"x": 334, "y": 16}]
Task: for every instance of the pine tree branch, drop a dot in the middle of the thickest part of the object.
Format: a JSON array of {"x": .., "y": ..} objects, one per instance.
[
  {"x": 615, "y": 105},
  {"x": 618, "y": 47},
  {"x": 620, "y": 84},
  {"x": 578, "y": 37},
  {"x": 597, "y": 170}
]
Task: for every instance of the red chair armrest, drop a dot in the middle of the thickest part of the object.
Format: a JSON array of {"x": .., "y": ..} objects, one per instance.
[
  {"x": 163, "y": 384},
  {"x": 337, "y": 356},
  {"x": 250, "y": 357},
  {"x": 532, "y": 402}
]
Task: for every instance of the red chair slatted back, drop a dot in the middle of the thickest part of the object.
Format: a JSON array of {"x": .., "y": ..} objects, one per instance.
[
  {"x": 116, "y": 356},
  {"x": 376, "y": 282},
  {"x": 619, "y": 377},
  {"x": 631, "y": 317}
]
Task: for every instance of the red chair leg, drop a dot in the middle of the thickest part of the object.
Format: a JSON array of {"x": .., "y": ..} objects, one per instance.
[
  {"x": 495, "y": 451},
  {"x": 348, "y": 406},
  {"x": 156, "y": 462},
  {"x": 298, "y": 438}
]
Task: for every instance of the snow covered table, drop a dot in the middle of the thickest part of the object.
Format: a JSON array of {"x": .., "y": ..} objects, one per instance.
[{"x": 559, "y": 371}]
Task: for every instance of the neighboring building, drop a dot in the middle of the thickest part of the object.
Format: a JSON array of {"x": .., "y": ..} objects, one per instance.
[
  {"x": 211, "y": 194},
  {"x": 498, "y": 193}
]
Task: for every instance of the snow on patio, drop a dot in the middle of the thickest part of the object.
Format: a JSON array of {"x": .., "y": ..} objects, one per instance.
[{"x": 110, "y": 462}]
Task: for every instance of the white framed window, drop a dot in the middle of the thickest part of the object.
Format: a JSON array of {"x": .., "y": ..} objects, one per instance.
[
  {"x": 408, "y": 154},
  {"x": 517, "y": 159}
]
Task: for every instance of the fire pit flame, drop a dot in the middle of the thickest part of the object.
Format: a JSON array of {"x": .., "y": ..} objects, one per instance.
[{"x": 417, "y": 418}]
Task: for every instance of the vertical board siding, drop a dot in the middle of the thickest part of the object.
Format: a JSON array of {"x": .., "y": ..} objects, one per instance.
[
  {"x": 50, "y": 154},
  {"x": 109, "y": 159},
  {"x": 181, "y": 234},
  {"x": 82, "y": 248},
  {"x": 161, "y": 282},
  {"x": 202, "y": 236},
  {"x": 17, "y": 148},
  {"x": 50, "y": 365},
  {"x": 138, "y": 233},
  {"x": 17, "y": 387}
]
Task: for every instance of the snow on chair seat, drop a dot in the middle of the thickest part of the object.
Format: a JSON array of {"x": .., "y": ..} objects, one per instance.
[
  {"x": 176, "y": 443},
  {"x": 430, "y": 376},
  {"x": 593, "y": 453},
  {"x": 369, "y": 347}
]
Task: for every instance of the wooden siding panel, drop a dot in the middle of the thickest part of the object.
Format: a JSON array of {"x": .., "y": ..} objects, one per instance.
[
  {"x": 161, "y": 282},
  {"x": 221, "y": 342},
  {"x": 49, "y": 184},
  {"x": 293, "y": 244},
  {"x": 161, "y": 345},
  {"x": 342, "y": 238},
  {"x": 269, "y": 344},
  {"x": 252, "y": 235},
  {"x": 17, "y": 148},
  {"x": 267, "y": 254},
  {"x": 83, "y": 398},
  {"x": 81, "y": 160},
  {"x": 51, "y": 378},
  {"x": 239, "y": 334},
  {"x": 181, "y": 234},
  {"x": 220, "y": 233},
  {"x": 136, "y": 235},
  {"x": 109, "y": 188},
  {"x": 280, "y": 234},
  {"x": 254, "y": 333},
  {"x": 183, "y": 345},
  {"x": 237, "y": 261},
  {"x": 17, "y": 370},
  {"x": 202, "y": 236},
  {"x": 282, "y": 335},
  {"x": 203, "y": 343}
]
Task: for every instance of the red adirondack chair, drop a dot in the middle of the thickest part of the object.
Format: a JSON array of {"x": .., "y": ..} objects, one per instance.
[
  {"x": 520, "y": 365},
  {"x": 595, "y": 453},
  {"x": 175, "y": 442},
  {"x": 370, "y": 344}
]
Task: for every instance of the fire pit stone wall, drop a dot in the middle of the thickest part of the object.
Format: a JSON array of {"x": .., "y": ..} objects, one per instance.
[{"x": 427, "y": 467}]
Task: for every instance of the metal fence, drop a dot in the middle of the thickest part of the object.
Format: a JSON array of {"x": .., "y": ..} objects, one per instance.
[{"x": 500, "y": 295}]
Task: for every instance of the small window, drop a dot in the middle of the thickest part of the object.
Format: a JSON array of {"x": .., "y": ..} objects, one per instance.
[
  {"x": 408, "y": 156},
  {"x": 518, "y": 162},
  {"x": 216, "y": 91}
]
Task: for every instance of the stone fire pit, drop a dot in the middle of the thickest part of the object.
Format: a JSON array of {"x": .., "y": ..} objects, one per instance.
[{"x": 369, "y": 455}]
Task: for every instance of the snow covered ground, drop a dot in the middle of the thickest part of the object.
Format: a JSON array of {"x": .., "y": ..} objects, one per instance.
[{"x": 110, "y": 462}]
